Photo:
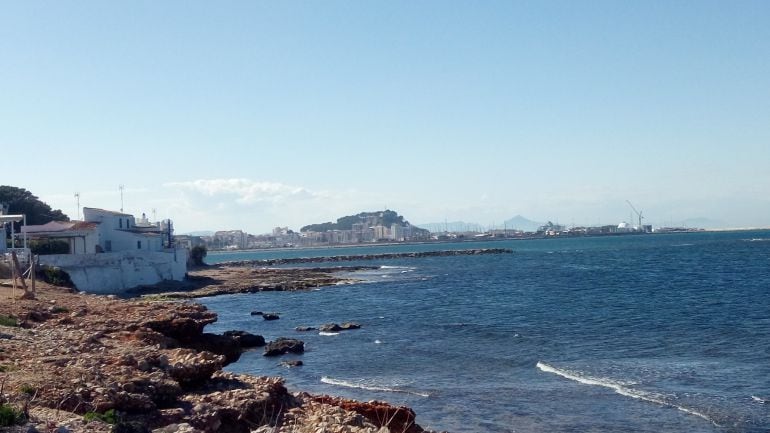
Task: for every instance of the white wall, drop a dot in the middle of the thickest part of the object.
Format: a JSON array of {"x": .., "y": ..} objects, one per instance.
[
  {"x": 84, "y": 245},
  {"x": 127, "y": 241},
  {"x": 112, "y": 273}
]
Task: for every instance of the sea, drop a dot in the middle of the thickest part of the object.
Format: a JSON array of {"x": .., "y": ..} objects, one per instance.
[{"x": 646, "y": 333}]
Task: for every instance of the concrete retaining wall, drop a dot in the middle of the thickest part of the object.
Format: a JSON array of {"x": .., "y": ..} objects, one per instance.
[{"x": 113, "y": 273}]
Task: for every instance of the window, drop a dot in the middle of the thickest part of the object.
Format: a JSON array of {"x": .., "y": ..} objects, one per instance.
[
  {"x": 138, "y": 245},
  {"x": 108, "y": 245},
  {"x": 120, "y": 223},
  {"x": 128, "y": 223}
]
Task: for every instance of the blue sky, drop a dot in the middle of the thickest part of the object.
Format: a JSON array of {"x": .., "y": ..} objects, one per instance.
[{"x": 257, "y": 114}]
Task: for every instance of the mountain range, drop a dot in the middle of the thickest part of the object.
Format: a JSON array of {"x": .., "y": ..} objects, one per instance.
[{"x": 516, "y": 223}]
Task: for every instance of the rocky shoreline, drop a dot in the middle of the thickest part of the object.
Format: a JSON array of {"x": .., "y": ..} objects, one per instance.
[
  {"x": 72, "y": 362},
  {"x": 231, "y": 278}
]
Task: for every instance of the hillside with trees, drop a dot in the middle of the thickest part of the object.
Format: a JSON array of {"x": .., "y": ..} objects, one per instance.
[
  {"x": 20, "y": 201},
  {"x": 380, "y": 218}
]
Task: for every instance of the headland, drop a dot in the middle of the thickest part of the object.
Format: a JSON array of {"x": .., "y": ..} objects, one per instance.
[{"x": 76, "y": 362}]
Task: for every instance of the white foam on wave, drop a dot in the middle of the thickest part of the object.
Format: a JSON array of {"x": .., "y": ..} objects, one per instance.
[
  {"x": 620, "y": 388},
  {"x": 758, "y": 399},
  {"x": 369, "y": 387},
  {"x": 328, "y": 334}
]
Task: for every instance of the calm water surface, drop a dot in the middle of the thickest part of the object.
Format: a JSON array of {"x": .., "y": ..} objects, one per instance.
[{"x": 658, "y": 333}]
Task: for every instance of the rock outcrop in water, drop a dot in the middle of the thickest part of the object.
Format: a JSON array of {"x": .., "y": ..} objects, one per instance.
[
  {"x": 333, "y": 327},
  {"x": 362, "y": 257},
  {"x": 229, "y": 279},
  {"x": 282, "y": 346}
]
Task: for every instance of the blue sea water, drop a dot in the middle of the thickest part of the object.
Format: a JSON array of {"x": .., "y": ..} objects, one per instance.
[{"x": 658, "y": 333}]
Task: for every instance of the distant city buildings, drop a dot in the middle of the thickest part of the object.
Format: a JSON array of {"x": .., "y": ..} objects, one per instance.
[
  {"x": 374, "y": 228},
  {"x": 370, "y": 229}
]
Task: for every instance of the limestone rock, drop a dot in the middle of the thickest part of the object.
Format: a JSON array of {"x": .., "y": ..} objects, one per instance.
[
  {"x": 333, "y": 327},
  {"x": 246, "y": 339},
  {"x": 226, "y": 345},
  {"x": 381, "y": 414},
  {"x": 191, "y": 368},
  {"x": 284, "y": 345},
  {"x": 329, "y": 327}
]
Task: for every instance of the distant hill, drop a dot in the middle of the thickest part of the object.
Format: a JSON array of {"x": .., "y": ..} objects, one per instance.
[
  {"x": 516, "y": 223},
  {"x": 520, "y": 223},
  {"x": 200, "y": 233},
  {"x": 371, "y": 219},
  {"x": 454, "y": 226},
  {"x": 703, "y": 223}
]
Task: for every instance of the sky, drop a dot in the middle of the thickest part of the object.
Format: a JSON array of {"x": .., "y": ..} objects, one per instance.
[{"x": 251, "y": 115}]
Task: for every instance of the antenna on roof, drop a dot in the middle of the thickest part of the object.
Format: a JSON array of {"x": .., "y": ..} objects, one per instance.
[
  {"x": 77, "y": 203},
  {"x": 121, "y": 188}
]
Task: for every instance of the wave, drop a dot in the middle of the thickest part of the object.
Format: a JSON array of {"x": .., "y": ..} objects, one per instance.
[
  {"x": 759, "y": 399},
  {"x": 328, "y": 334},
  {"x": 621, "y": 389},
  {"x": 368, "y": 387}
]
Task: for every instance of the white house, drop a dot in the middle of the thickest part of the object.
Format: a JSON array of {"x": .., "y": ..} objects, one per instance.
[
  {"x": 109, "y": 252},
  {"x": 119, "y": 232}
]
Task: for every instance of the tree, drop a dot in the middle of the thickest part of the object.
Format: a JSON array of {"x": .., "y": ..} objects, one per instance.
[
  {"x": 197, "y": 254},
  {"x": 21, "y": 201}
]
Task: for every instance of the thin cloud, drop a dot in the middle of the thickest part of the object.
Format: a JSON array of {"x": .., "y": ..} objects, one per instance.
[{"x": 247, "y": 191}]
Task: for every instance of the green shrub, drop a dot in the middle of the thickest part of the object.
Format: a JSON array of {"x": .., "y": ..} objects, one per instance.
[
  {"x": 57, "y": 277},
  {"x": 27, "y": 389},
  {"x": 108, "y": 417},
  {"x": 59, "y": 310},
  {"x": 8, "y": 321},
  {"x": 49, "y": 247},
  {"x": 9, "y": 415}
]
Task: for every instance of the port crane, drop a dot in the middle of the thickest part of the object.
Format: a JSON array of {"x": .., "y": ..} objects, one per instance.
[{"x": 639, "y": 214}]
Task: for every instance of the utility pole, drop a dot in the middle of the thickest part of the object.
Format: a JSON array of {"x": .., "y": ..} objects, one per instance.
[
  {"x": 121, "y": 187},
  {"x": 77, "y": 203}
]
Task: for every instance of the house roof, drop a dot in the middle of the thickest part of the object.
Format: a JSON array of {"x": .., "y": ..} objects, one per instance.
[
  {"x": 59, "y": 226},
  {"x": 109, "y": 212}
]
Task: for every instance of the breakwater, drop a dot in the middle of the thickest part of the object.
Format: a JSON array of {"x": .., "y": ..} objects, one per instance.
[{"x": 359, "y": 257}]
